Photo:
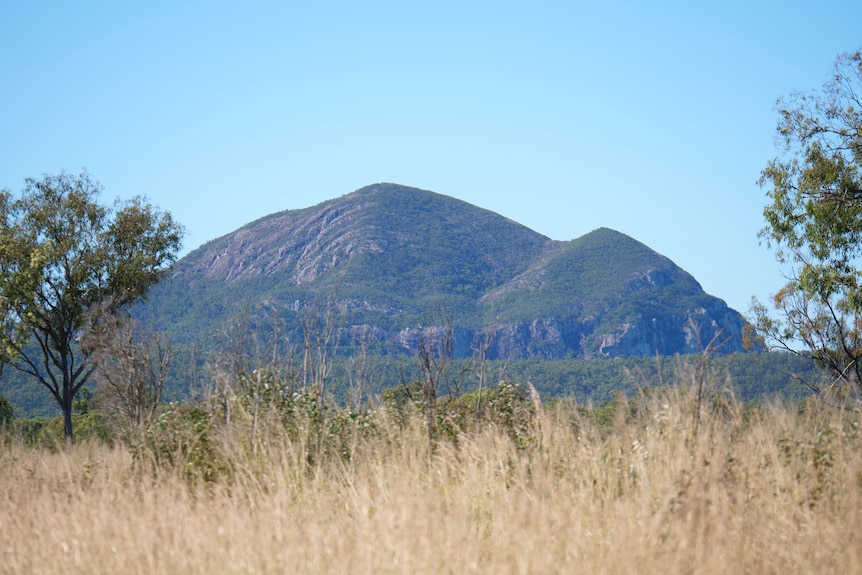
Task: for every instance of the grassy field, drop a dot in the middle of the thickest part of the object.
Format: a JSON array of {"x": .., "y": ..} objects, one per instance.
[{"x": 657, "y": 486}]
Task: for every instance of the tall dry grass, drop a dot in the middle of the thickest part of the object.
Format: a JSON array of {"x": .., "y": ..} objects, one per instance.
[{"x": 751, "y": 491}]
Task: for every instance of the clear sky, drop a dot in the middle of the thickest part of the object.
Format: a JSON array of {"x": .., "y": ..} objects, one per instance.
[{"x": 652, "y": 118}]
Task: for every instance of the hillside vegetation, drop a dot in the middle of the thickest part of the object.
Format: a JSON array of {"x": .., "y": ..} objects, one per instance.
[{"x": 392, "y": 259}]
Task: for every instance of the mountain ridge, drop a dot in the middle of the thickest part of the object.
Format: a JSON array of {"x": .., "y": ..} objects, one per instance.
[
  {"x": 392, "y": 256},
  {"x": 316, "y": 229}
]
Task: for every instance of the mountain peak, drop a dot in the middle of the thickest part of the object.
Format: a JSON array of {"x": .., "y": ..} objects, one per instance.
[
  {"x": 408, "y": 224},
  {"x": 394, "y": 255}
]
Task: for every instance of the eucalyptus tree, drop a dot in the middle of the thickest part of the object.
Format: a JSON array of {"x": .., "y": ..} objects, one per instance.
[
  {"x": 814, "y": 221},
  {"x": 67, "y": 263}
]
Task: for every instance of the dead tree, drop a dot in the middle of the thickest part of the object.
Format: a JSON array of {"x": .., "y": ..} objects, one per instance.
[{"x": 132, "y": 366}]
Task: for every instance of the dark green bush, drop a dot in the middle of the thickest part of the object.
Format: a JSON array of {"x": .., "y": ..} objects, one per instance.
[
  {"x": 182, "y": 439},
  {"x": 90, "y": 427}
]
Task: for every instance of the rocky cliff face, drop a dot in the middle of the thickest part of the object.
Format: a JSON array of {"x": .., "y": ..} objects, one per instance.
[
  {"x": 302, "y": 244},
  {"x": 717, "y": 330},
  {"x": 391, "y": 259}
]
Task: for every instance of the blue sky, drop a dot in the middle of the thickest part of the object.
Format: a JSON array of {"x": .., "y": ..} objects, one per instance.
[{"x": 654, "y": 119}]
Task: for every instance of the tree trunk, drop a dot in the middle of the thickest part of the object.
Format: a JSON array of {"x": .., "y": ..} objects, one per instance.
[{"x": 67, "y": 424}]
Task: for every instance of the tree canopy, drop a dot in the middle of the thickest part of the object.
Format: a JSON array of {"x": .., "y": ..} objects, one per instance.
[
  {"x": 66, "y": 263},
  {"x": 814, "y": 221}
]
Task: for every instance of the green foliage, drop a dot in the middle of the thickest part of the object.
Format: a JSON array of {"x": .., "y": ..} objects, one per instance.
[
  {"x": 507, "y": 407},
  {"x": 510, "y": 408},
  {"x": 814, "y": 221},
  {"x": 815, "y": 217},
  {"x": 182, "y": 439},
  {"x": 609, "y": 410},
  {"x": 325, "y": 430},
  {"x": 403, "y": 401},
  {"x": 91, "y": 427},
  {"x": 63, "y": 256},
  {"x": 7, "y": 412}
]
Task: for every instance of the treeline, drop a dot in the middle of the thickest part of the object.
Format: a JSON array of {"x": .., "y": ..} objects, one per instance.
[{"x": 352, "y": 379}]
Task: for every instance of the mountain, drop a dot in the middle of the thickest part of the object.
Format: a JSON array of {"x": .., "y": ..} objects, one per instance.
[{"x": 390, "y": 260}]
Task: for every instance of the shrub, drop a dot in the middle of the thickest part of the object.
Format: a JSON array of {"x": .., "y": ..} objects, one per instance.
[
  {"x": 90, "y": 427},
  {"x": 182, "y": 440}
]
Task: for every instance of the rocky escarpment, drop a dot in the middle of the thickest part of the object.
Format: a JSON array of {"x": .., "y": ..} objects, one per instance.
[
  {"x": 303, "y": 245},
  {"x": 710, "y": 326}
]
